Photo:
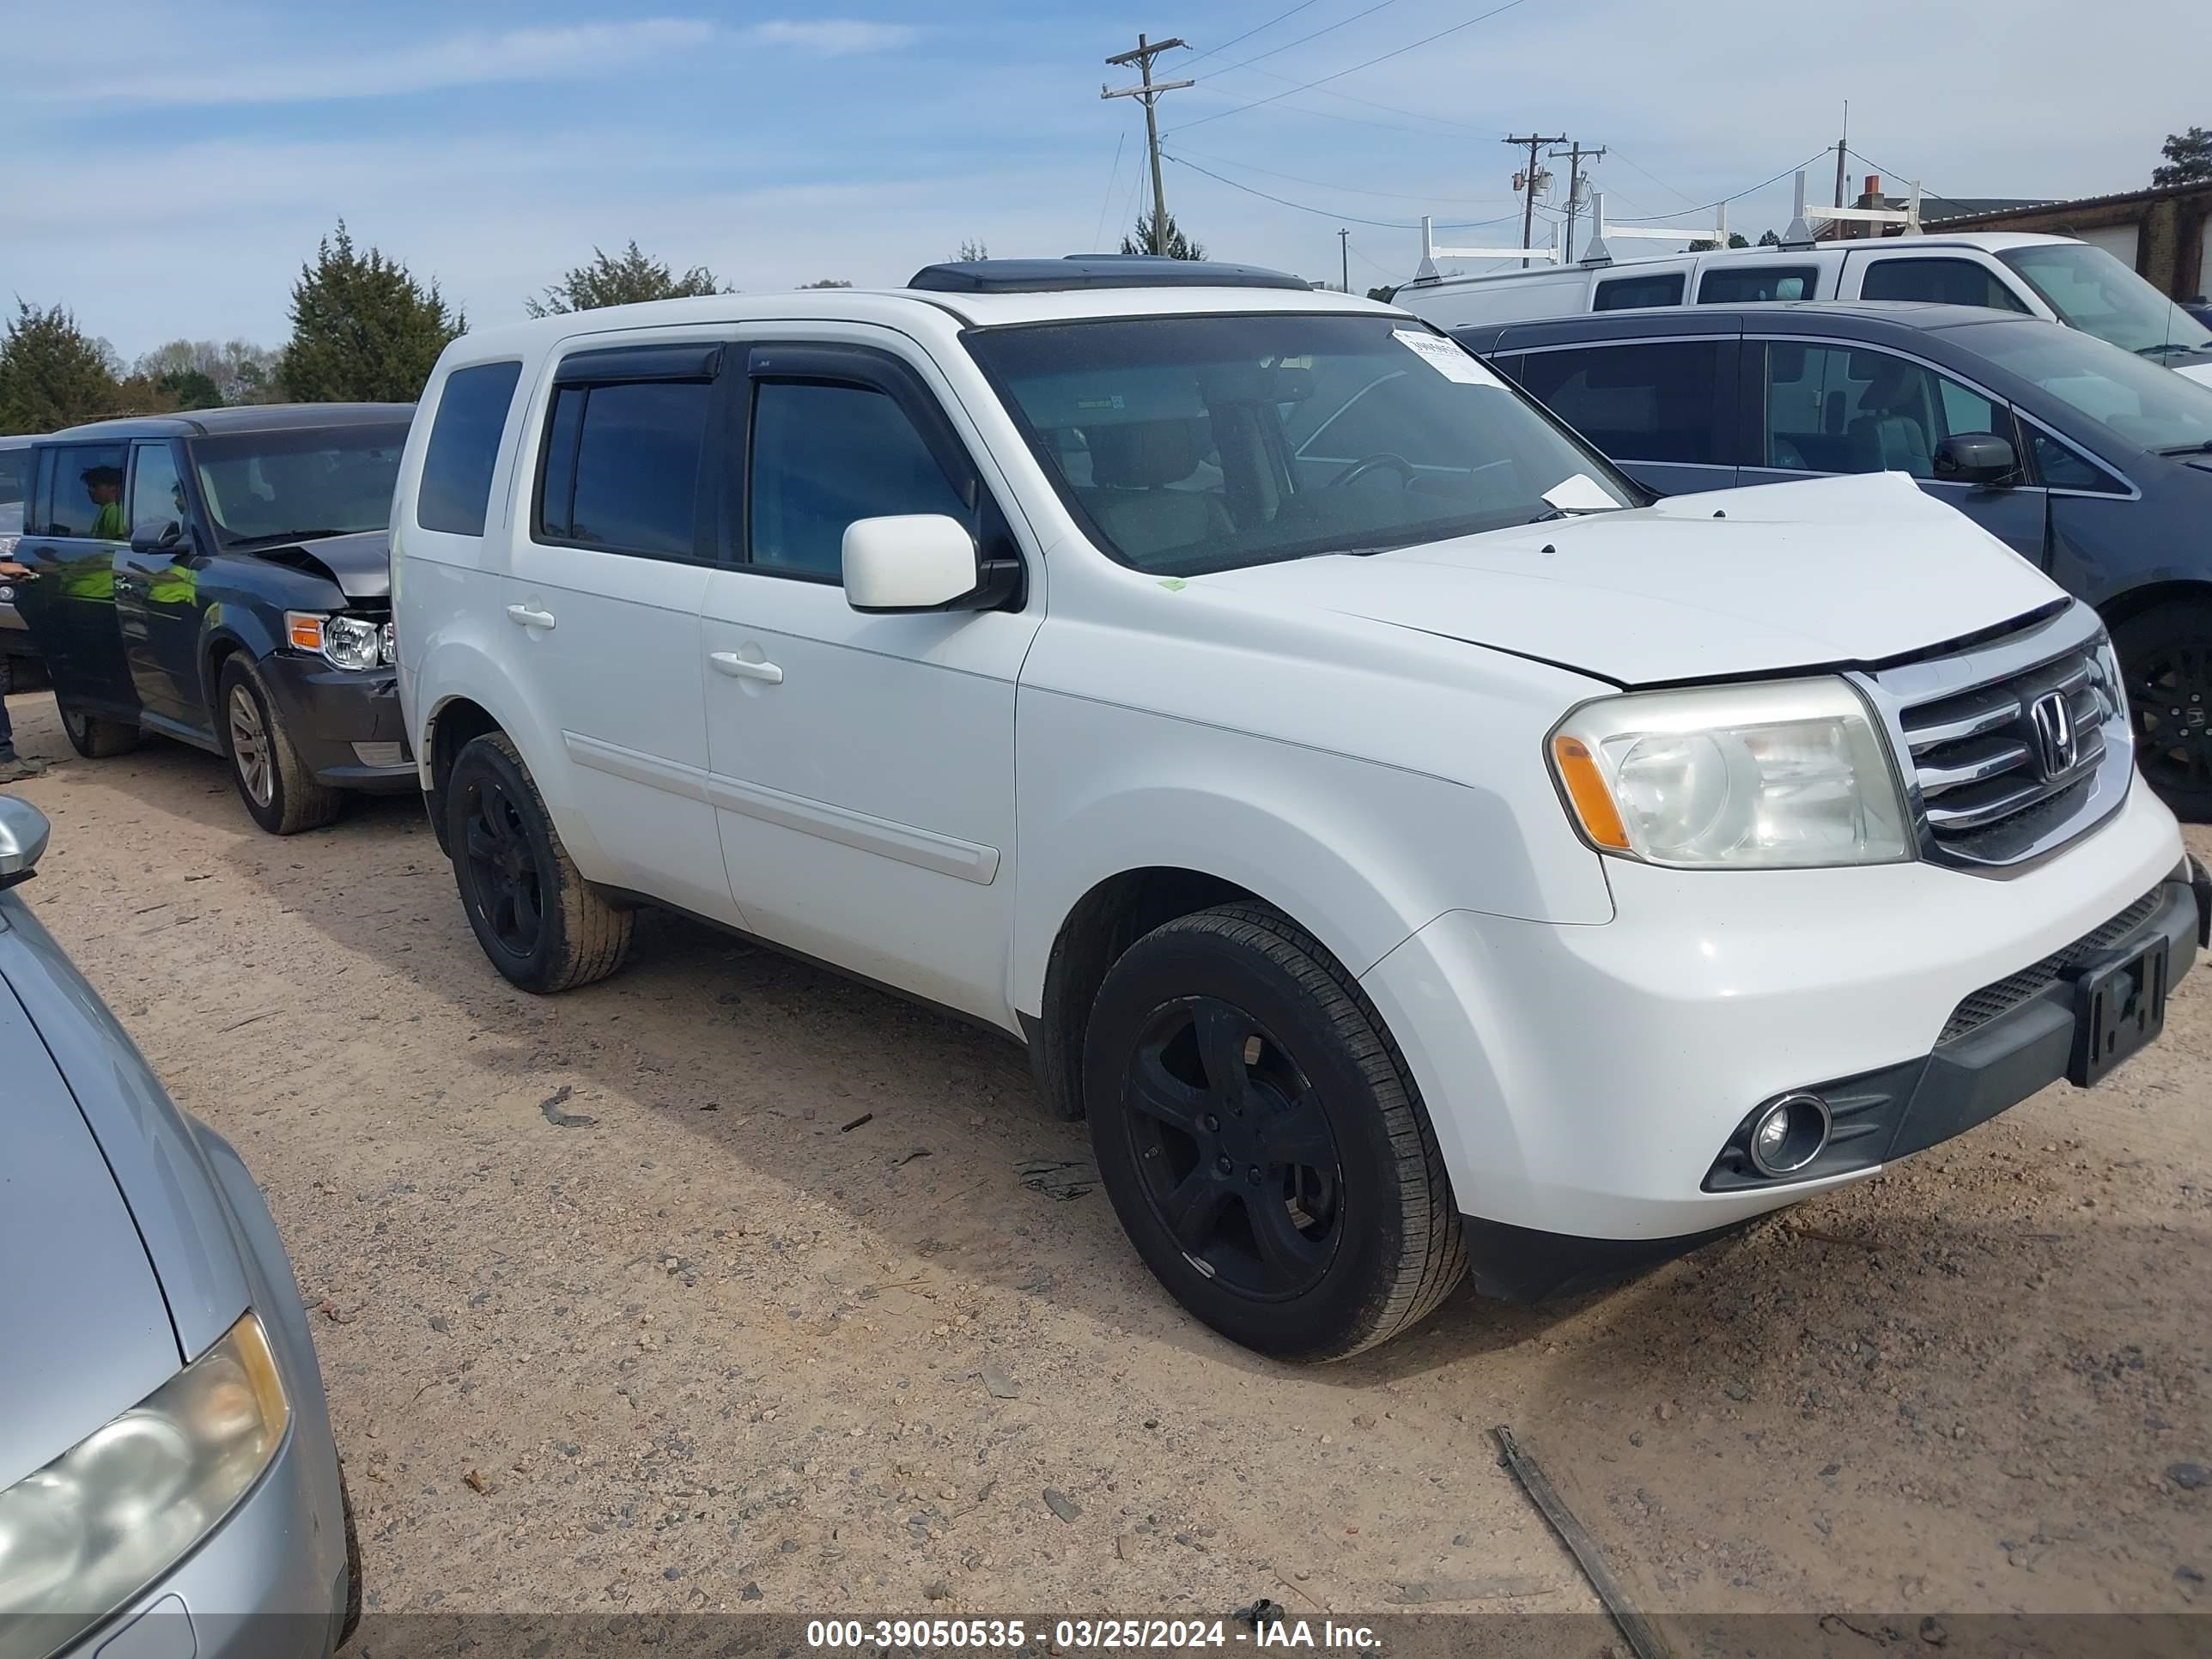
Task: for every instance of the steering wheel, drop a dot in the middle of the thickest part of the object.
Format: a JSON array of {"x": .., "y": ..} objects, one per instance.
[{"x": 1367, "y": 464}]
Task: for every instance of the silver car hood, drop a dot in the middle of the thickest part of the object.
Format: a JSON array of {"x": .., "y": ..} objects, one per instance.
[{"x": 84, "y": 1330}]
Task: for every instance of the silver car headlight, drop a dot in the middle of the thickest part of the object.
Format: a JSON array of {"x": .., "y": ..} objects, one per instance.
[
  {"x": 1789, "y": 775},
  {"x": 81, "y": 1537},
  {"x": 344, "y": 641}
]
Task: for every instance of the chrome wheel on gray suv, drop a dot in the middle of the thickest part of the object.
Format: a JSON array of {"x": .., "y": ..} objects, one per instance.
[
  {"x": 1260, "y": 1139},
  {"x": 273, "y": 781}
]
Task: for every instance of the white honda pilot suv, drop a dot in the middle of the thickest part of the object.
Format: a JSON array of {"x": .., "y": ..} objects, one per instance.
[{"x": 1411, "y": 845}]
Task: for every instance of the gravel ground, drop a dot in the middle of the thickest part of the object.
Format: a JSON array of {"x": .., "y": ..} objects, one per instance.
[{"x": 728, "y": 1284}]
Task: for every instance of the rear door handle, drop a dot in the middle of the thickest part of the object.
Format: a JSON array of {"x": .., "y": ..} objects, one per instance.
[
  {"x": 524, "y": 616},
  {"x": 730, "y": 663}
]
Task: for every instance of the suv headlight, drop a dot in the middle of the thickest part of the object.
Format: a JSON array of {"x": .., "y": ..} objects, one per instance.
[
  {"x": 81, "y": 1537},
  {"x": 345, "y": 641},
  {"x": 1786, "y": 775}
]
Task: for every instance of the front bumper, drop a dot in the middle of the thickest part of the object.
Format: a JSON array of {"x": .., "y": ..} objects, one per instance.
[
  {"x": 334, "y": 713},
  {"x": 1581, "y": 1079}
]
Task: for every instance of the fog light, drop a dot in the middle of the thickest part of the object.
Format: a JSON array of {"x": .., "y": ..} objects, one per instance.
[{"x": 1789, "y": 1134}]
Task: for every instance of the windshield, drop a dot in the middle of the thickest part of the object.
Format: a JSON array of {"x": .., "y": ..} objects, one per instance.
[
  {"x": 2129, "y": 396},
  {"x": 2098, "y": 295},
  {"x": 1191, "y": 444},
  {"x": 290, "y": 486}
]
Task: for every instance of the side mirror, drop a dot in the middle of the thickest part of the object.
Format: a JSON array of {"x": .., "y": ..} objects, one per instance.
[
  {"x": 1976, "y": 458},
  {"x": 910, "y": 561},
  {"x": 155, "y": 535},
  {"x": 23, "y": 831}
]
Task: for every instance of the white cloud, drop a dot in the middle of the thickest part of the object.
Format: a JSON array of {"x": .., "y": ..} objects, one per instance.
[{"x": 834, "y": 37}]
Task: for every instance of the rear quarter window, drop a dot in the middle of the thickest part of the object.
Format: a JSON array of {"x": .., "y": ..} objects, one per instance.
[
  {"x": 1635, "y": 293},
  {"x": 455, "y": 489}
]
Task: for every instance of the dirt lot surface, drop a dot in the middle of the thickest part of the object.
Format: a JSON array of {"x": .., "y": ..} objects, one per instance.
[{"x": 726, "y": 1284}]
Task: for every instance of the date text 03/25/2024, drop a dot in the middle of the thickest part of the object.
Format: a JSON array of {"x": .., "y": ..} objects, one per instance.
[{"x": 1173, "y": 1635}]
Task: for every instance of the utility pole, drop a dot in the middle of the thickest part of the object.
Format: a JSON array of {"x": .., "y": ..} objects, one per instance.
[
  {"x": 1843, "y": 149},
  {"x": 1149, "y": 90},
  {"x": 1575, "y": 191},
  {"x": 1528, "y": 213},
  {"x": 1344, "y": 258}
]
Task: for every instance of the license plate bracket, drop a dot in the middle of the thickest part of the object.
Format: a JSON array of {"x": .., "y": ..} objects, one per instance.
[{"x": 2119, "y": 1006}]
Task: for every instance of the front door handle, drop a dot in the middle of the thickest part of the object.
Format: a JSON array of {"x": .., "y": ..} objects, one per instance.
[
  {"x": 730, "y": 663},
  {"x": 523, "y": 616}
]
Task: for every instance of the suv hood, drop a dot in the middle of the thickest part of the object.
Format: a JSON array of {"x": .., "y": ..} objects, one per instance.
[
  {"x": 360, "y": 564},
  {"x": 84, "y": 1331},
  {"x": 2198, "y": 369},
  {"x": 1731, "y": 582}
]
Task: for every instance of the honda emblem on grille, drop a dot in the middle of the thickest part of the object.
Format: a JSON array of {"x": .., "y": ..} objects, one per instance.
[{"x": 2053, "y": 721}]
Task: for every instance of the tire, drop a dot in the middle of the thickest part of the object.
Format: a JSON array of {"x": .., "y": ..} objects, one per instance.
[
  {"x": 541, "y": 923},
  {"x": 2165, "y": 658},
  {"x": 96, "y": 738},
  {"x": 278, "y": 790},
  {"x": 1354, "y": 1236},
  {"x": 352, "y": 1619}
]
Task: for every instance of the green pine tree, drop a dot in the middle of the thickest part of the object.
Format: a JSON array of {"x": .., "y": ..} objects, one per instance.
[
  {"x": 364, "y": 329},
  {"x": 620, "y": 280},
  {"x": 52, "y": 373},
  {"x": 1176, "y": 246}
]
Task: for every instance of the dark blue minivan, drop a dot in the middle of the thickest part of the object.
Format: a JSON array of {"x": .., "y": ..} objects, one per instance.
[{"x": 2092, "y": 462}]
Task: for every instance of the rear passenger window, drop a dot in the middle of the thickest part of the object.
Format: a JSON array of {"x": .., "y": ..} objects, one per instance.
[
  {"x": 622, "y": 466},
  {"x": 457, "y": 466},
  {"x": 1943, "y": 282},
  {"x": 1636, "y": 403},
  {"x": 823, "y": 455},
  {"x": 1633, "y": 293},
  {"x": 1762, "y": 285},
  {"x": 87, "y": 483}
]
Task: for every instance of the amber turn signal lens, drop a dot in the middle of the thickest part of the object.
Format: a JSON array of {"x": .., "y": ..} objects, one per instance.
[
  {"x": 306, "y": 631},
  {"x": 1586, "y": 790}
]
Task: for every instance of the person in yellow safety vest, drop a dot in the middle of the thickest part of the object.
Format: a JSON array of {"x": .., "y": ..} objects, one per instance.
[{"x": 105, "y": 485}]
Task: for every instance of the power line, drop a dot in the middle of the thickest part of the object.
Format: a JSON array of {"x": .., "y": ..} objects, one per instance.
[
  {"x": 1327, "y": 213},
  {"x": 1679, "y": 196},
  {"x": 1272, "y": 51},
  {"x": 1370, "y": 63},
  {"x": 1349, "y": 190},
  {"x": 1924, "y": 191},
  {"x": 1749, "y": 190},
  {"x": 1248, "y": 34},
  {"x": 1098, "y": 236}
]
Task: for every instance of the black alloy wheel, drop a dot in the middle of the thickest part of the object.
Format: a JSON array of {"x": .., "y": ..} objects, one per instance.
[
  {"x": 2165, "y": 664},
  {"x": 1234, "y": 1150},
  {"x": 507, "y": 887}
]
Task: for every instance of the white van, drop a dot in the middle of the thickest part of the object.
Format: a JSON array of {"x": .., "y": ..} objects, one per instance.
[
  {"x": 2054, "y": 277},
  {"x": 1410, "y": 847}
]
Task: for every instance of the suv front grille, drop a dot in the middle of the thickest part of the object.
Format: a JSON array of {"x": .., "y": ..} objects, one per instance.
[{"x": 2012, "y": 748}]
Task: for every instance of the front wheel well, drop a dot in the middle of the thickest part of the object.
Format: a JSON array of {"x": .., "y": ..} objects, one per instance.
[
  {"x": 452, "y": 728},
  {"x": 1105, "y": 922},
  {"x": 2124, "y": 608}
]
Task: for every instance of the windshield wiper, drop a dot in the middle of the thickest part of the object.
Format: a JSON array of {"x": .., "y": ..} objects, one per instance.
[{"x": 2204, "y": 449}]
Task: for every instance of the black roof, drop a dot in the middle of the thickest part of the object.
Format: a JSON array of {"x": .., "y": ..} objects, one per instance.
[
  {"x": 244, "y": 417},
  {"x": 1078, "y": 271}
]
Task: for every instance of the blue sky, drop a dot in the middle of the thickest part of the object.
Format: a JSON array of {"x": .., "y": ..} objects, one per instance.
[{"x": 171, "y": 165}]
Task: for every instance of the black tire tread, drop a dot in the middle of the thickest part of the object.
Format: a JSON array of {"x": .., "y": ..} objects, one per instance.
[
  {"x": 103, "y": 739},
  {"x": 301, "y": 803},
  {"x": 1435, "y": 1259},
  {"x": 594, "y": 935}
]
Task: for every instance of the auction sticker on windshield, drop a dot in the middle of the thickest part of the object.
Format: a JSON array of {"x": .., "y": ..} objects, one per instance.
[{"x": 1447, "y": 359}]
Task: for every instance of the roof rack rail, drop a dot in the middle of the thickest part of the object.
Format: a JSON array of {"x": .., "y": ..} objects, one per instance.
[
  {"x": 1431, "y": 253},
  {"x": 1082, "y": 270}
]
